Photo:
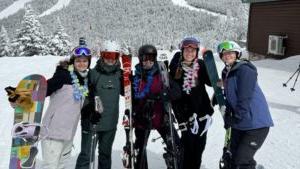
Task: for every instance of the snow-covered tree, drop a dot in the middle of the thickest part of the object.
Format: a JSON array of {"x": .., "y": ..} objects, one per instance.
[
  {"x": 59, "y": 43},
  {"x": 5, "y": 49},
  {"x": 30, "y": 39}
]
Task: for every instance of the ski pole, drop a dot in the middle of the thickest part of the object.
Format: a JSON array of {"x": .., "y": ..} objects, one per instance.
[{"x": 93, "y": 142}]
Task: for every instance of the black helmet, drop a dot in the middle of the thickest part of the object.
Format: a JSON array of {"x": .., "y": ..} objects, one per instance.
[{"x": 147, "y": 50}]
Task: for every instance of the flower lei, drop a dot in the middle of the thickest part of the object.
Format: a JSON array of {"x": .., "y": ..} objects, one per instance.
[
  {"x": 190, "y": 76},
  {"x": 136, "y": 82},
  {"x": 79, "y": 92}
]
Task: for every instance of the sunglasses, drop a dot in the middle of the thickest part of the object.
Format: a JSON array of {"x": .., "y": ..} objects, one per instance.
[
  {"x": 81, "y": 51},
  {"x": 151, "y": 58},
  {"x": 225, "y": 46},
  {"x": 110, "y": 55},
  {"x": 190, "y": 43}
]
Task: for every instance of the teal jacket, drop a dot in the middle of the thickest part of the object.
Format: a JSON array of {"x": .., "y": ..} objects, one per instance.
[{"x": 106, "y": 82}]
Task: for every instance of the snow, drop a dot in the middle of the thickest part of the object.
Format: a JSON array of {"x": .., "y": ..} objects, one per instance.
[
  {"x": 183, "y": 3},
  {"x": 13, "y": 8},
  {"x": 58, "y": 6},
  {"x": 280, "y": 150}
]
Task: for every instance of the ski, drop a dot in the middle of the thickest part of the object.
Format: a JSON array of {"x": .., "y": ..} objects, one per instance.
[
  {"x": 212, "y": 71},
  {"x": 170, "y": 155},
  {"x": 128, "y": 150}
]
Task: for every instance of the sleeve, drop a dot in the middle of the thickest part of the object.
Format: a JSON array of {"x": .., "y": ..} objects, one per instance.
[
  {"x": 122, "y": 91},
  {"x": 246, "y": 81},
  {"x": 57, "y": 81}
]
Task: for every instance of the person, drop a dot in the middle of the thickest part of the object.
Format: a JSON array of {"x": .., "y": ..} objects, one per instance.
[
  {"x": 67, "y": 90},
  {"x": 247, "y": 111},
  {"x": 193, "y": 109},
  {"x": 148, "y": 105},
  {"x": 105, "y": 81}
]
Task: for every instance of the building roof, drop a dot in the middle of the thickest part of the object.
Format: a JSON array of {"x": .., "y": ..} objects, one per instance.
[{"x": 257, "y": 1}]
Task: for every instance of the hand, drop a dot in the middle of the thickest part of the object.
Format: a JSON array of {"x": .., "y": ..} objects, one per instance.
[
  {"x": 214, "y": 100},
  {"x": 220, "y": 83},
  {"x": 95, "y": 117},
  {"x": 165, "y": 96}
]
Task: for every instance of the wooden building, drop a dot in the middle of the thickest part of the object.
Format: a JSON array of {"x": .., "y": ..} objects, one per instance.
[{"x": 274, "y": 27}]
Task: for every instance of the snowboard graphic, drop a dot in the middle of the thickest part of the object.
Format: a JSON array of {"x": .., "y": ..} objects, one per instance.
[{"x": 30, "y": 95}]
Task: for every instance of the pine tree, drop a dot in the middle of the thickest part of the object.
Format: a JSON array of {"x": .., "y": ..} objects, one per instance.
[
  {"x": 5, "y": 49},
  {"x": 30, "y": 39},
  {"x": 59, "y": 43}
]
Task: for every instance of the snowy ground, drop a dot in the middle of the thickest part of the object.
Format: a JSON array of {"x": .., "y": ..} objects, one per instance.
[{"x": 281, "y": 149}]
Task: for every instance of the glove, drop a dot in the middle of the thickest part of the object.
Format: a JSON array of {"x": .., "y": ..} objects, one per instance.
[
  {"x": 11, "y": 93},
  {"x": 193, "y": 124},
  {"x": 214, "y": 100},
  {"x": 95, "y": 117},
  {"x": 208, "y": 123},
  {"x": 165, "y": 96}
]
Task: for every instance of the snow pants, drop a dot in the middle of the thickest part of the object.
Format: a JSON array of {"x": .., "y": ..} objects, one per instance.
[
  {"x": 56, "y": 153},
  {"x": 105, "y": 141},
  {"x": 140, "y": 145},
  {"x": 193, "y": 147},
  {"x": 244, "y": 145}
]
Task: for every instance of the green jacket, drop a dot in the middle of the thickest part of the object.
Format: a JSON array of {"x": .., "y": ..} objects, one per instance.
[{"x": 106, "y": 82}]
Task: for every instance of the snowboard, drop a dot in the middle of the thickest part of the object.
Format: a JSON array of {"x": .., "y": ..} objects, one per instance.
[
  {"x": 212, "y": 72},
  {"x": 29, "y": 113},
  {"x": 128, "y": 157}
]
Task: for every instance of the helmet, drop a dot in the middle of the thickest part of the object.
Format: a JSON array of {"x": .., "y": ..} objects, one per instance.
[
  {"x": 229, "y": 46},
  {"x": 110, "y": 46},
  {"x": 190, "y": 41},
  {"x": 147, "y": 50},
  {"x": 110, "y": 50},
  {"x": 81, "y": 51}
]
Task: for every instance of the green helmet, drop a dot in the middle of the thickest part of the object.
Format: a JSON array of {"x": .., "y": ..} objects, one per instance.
[{"x": 229, "y": 46}]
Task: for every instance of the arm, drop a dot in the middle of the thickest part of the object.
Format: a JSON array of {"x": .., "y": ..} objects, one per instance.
[
  {"x": 57, "y": 81},
  {"x": 246, "y": 80}
]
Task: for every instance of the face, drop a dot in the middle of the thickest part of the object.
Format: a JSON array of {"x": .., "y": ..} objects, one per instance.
[
  {"x": 189, "y": 54},
  {"x": 148, "y": 61},
  {"x": 81, "y": 64},
  {"x": 229, "y": 57},
  {"x": 109, "y": 61}
]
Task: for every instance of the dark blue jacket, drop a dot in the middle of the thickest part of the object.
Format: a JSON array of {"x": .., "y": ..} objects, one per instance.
[{"x": 245, "y": 98}]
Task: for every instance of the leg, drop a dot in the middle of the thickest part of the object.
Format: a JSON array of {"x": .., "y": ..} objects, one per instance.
[
  {"x": 141, "y": 144},
  {"x": 51, "y": 151},
  {"x": 83, "y": 159},
  {"x": 66, "y": 154},
  {"x": 106, "y": 139},
  {"x": 250, "y": 143}
]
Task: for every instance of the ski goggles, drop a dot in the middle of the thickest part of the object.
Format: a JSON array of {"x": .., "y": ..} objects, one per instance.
[
  {"x": 148, "y": 57},
  {"x": 110, "y": 55},
  {"x": 225, "y": 46},
  {"x": 81, "y": 51},
  {"x": 190, "y": 43}
]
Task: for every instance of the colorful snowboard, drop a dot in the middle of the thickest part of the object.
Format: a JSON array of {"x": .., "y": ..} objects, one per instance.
[{"x": 22, "y": 151}]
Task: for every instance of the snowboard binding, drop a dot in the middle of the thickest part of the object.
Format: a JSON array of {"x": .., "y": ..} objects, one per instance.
[{"x": 28, "y": 132}]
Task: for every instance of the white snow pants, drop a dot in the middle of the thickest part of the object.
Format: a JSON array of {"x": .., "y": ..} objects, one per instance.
[{"x": 56, "y": 153}]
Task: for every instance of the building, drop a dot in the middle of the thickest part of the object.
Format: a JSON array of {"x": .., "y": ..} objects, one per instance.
[{"x": 274, "y": 27}]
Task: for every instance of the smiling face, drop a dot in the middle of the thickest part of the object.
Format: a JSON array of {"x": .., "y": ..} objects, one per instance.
[
  {"x": 81, "y": 63},
  {"x": 229, "y": 57},
  {"x": 189, "y": 54}
]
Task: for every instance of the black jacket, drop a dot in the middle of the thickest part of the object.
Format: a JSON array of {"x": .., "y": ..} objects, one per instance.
[{"x": 197, "y": 101}]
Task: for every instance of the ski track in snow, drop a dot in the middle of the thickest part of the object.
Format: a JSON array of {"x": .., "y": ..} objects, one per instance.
[
  {"x": 183, "y": 3},
  {"x": 13, "y": 8},
  {"x": 58, "y": 6},
  {"x": 281, "y": 148}
]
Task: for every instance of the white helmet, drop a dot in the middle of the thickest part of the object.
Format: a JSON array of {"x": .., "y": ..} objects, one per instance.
[{"x": 110, "y": 46}]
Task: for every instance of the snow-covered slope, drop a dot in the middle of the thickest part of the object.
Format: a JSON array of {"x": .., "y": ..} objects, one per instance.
[
  {"x": 58, "y": 6},
  {"x": 13, "y": 8},
  {"x": 281, "y": 149}
]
